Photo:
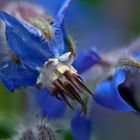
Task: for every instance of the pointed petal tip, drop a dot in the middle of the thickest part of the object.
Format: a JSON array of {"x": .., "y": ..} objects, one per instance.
[{"x": 61, "y": 14}]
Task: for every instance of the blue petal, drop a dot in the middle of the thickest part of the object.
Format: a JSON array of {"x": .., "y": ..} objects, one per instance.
[
  {"x": 50, "y": 105},
  {"x": 86, "y": 59},
  {"x": 108, "y": 96},
  {"x": 119, "y": 78},
  {"x": 81, "y": 127},
  {"x": 25, "y": 42},
  {"x": 57, "y": 44},
  {"x": 14, "y": 76},
  {"x": 60, "y": 16}
]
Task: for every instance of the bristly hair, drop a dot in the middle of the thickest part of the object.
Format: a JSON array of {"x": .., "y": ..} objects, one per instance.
[
  {"x": 27, "y": 135},
  {"x": 129, "y": 62},
  {"x": 87, "y": 113},
  {"x": 134, "y": 46},
  {"x": 36, "y": 129}
]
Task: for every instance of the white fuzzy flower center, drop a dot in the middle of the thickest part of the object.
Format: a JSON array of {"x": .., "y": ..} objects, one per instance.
[{"x": 49, "y": 72}]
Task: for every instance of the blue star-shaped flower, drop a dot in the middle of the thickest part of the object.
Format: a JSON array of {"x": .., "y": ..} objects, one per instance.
[
  {"x": 39, "y": 52},
  {"x": 24, "y": 52}
]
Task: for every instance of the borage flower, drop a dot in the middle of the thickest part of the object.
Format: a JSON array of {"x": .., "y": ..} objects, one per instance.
[
  {"x": 121, "y": 92},
  {"x": 37, "y": 51}
]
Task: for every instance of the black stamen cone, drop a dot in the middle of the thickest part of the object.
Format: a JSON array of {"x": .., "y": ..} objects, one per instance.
[{"x": 69, "y": 84}]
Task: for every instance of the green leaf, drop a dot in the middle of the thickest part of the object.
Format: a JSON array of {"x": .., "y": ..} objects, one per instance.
[
  {"x": 68, "y": 136},
  {"x": 5, "y": 132}
]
